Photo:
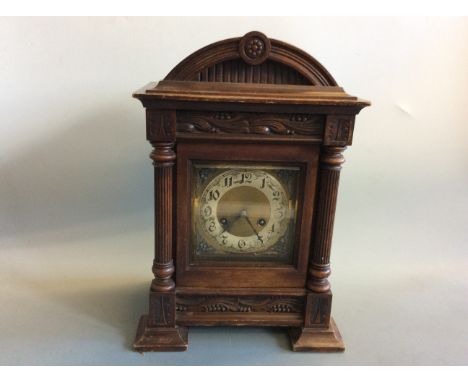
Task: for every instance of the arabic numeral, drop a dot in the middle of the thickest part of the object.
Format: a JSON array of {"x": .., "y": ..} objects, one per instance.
[
  {"x": 241, "y": 244},
  {"x": 212, "y": 226},
  {"x": 207, "y": 211},
  {"x": 228, "y": 181},
  {"x": 224, "y": 239},
  {"x": 279, "y": 213},
  {"x": 276, "y": 195},
  {"x": 213, "y": 195}
]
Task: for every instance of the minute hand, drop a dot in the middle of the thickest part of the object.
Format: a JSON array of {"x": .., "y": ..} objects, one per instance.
[{"x": 253, "y": 228}]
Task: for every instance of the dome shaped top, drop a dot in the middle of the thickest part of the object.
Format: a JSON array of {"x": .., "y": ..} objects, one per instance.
[{"x": 253, "y": 58}]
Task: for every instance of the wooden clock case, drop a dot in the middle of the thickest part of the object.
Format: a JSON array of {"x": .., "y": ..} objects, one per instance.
[{"x": 249, "y": 99}]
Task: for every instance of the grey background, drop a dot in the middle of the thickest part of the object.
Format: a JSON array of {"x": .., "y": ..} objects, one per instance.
[{"x": 76, "y": 190}]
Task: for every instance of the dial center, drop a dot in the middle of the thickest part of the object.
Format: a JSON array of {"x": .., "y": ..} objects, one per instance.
[{"x": 240, "y": 208}]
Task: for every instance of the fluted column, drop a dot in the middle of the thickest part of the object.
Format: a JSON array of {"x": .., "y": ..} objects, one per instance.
[
  {"x": 163, "y": 157},
  {"x": 319, "y": 269}
]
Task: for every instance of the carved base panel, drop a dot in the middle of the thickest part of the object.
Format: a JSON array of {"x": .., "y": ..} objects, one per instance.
[
  {"x": 239, "y": 310},
  {"x": 317, "y": 339},
  {"x": 151, "y": 338}
]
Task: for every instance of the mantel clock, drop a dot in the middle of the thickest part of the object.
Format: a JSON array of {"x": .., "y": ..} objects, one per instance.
[{"x": 248, "y": 135}]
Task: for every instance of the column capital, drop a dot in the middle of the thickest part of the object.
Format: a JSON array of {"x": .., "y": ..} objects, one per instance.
[{"x": 163, "y": 154}]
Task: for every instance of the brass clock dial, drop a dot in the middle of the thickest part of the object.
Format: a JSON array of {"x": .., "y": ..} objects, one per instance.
[{"x": 244, "y": 211}]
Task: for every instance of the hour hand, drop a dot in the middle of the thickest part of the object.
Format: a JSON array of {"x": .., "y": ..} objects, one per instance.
[{"x": 225, "y": 224}]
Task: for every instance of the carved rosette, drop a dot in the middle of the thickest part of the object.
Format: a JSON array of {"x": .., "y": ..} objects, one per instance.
[
  {"x": 319, "y": 268},
  {"x": 254, "y": 48}
]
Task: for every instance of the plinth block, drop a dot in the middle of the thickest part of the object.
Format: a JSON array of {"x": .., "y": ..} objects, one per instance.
[
  {"x": 155, "y": 338},
  {"x": 317, "y": 339}
]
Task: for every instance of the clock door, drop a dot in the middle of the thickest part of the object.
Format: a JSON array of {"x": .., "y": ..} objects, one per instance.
[{"x": 244, "y": 214}]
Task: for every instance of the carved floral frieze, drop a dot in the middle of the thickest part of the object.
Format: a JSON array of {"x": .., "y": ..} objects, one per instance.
[
  {"x": 250, "y": 123},
  {"x": 230, "y": 304}
]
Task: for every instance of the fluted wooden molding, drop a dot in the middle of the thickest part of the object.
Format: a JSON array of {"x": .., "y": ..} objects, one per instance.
[
  {"x": 163, "y": 157},
  {"x": 319, "y": 269}
]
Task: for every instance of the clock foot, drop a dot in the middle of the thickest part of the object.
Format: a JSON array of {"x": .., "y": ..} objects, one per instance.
[
  {"x": 157, "y": 338},
  {"x": 317, "y": 339}
]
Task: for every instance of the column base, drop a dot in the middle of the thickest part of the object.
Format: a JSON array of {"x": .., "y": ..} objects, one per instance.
[
  {"x": 157, "y": 338},
  {"x": 317, "y": 339}
]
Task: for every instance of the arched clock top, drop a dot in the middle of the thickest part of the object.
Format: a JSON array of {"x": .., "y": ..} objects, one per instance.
[{"x": 253, "y": 58}]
